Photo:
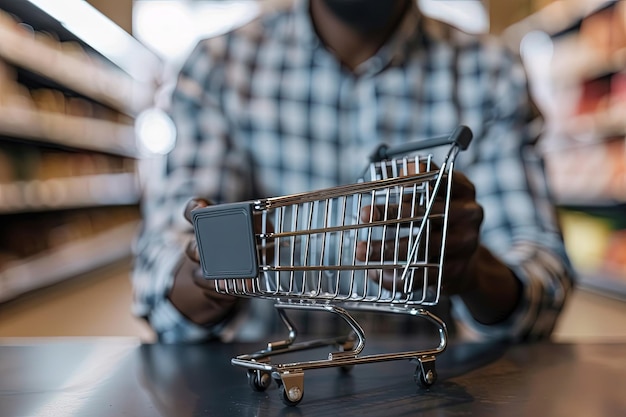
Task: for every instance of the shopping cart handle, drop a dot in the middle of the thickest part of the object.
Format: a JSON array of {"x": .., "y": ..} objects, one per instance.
[{"x": 461, "y": 137}]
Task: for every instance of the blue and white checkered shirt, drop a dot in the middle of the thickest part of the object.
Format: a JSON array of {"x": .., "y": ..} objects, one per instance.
[{"x": 267, "y": 110}]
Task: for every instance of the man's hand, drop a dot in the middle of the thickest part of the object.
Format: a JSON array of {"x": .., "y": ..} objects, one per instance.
[
  {"x": 191, "y": 294},
  {"x": 488, "y": 287}
]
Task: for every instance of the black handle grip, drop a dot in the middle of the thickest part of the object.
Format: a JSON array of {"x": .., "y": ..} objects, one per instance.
[{"x": 462, "y": 137}]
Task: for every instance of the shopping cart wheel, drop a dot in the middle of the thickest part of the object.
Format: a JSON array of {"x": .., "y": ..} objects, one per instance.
[
  {"x": 291, "y": 388},
  {"x": 425, "y": 373},
  {"x": 259, "y": 380},
  {"x": 286, "y": 396}
]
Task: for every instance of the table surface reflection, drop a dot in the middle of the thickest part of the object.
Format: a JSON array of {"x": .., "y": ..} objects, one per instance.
[{"x": 113, "y": 377}]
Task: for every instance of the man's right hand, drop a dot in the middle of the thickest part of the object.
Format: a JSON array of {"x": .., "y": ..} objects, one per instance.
[{"x": 194, "y": 296}]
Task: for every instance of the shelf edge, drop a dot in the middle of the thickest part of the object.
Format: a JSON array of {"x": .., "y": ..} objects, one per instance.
[
  {"x": 71, "y": 131},
  {"x": 69, "y": 192},
  {"x": 605, "y": 283},
  {"x": 114, "y": 89}
]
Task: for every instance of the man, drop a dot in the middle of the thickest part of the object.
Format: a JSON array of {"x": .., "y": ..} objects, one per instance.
[{"x": 296, "y": 99}]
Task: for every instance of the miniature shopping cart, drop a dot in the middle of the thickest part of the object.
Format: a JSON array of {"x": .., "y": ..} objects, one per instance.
[{"x": 364, "y": 246}]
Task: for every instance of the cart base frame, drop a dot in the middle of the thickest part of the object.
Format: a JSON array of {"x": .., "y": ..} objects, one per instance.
[{"x": 290, "y": 375}]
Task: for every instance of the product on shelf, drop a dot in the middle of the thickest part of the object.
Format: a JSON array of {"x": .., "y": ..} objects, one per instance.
[
  {"x": 27, "y": 236},
  {"x": 7, "y": 173},
  {"x": 618, "y": 93},
  {"x": 586, "y": 239},
  {"x": 12, "y": 94},
  {"x": 604, "y": 32},
  {"x": 615, "y": 257}
]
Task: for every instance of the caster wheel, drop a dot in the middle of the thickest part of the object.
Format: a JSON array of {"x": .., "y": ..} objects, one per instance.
[
  {"x": 425, "y": 376},
  {"x": 259, "y": 380},
  {"x": 291, "y": 397}
]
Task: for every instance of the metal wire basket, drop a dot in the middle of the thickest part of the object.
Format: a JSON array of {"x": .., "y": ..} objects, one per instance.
[{"x": 363, "y": 246}]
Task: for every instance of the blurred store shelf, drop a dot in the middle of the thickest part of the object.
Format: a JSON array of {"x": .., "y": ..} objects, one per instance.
[
  {"x": 66, "y": 130},
  {"x": 65, "y": 261},
  {"x": 69, "y": 192},
  {"x": 73, "y": 84}
]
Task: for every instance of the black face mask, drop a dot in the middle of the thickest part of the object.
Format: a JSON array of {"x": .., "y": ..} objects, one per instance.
[{"x": 365, "y": 15}]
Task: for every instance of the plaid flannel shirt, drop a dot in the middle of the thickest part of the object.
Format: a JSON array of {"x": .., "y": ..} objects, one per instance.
[{"x": 267, "y": 110}]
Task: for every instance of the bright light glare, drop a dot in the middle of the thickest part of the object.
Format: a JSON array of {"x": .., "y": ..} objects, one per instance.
[
  {"x": 172, "y": 28},
  {"x": 96, "y": 30},
  {"x": 467, "y": 15},
  {"x": 155, "y": 131},
  {"x": 536, "y": 44},
  {"x": 167, "y": 27},
  {"x": 73, "y": 396},
  {"x": 537, "y": 51}
]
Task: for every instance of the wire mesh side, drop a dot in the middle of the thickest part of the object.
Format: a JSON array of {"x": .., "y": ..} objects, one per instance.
[{"x": 326, "y": 245}]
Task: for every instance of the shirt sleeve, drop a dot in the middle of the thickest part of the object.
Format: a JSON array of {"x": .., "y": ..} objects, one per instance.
[
  {"x": 205, "y": 163},
  {"x": 520, "y": 225}
]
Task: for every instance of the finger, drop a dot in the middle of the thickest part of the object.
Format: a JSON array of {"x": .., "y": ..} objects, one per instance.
[
  {"x": 376, "y": 212},
  {"x": 221, "y": 285},
  {"x": 262, "y": 224},
  {"x": 370, "y": 214},
  {"x": 238, "y": 286},
  {"x": 462, "y": 187},
  {"x": 264, "y": 229},
  {"x": 461, "y": 243},
  {"x": 191, "y": 250},
  {"x": 193, "y": 204},
  {"x": 407, "y": 209},
  {"x": 377, "y": 250},
  {"x": 412, "y": 205},
  {"x": 415, "y": 279},
  {"x": 464, "y": 221},
  {"x": 220, "y": 288},
  {"x": 422, "y": 273},
  {"x": 391, "y": 250},
  {"x": 407, "y": 167}
]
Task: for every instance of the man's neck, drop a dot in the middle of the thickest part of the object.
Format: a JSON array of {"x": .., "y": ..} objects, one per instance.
[{"x": 351, "y": 47}]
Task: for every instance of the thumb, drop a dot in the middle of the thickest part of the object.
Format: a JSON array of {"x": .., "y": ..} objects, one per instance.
[{"x": 193, "y": 204}]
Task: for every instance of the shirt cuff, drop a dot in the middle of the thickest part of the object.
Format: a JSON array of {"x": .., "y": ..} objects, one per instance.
[{"x": 173, "y": 327}]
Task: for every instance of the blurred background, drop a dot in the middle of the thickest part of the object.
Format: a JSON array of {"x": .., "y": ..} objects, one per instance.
[{"x": 81, "y": 85}]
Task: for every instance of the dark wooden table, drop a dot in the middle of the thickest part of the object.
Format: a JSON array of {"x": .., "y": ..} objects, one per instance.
[{"x": 112, "y": 377}]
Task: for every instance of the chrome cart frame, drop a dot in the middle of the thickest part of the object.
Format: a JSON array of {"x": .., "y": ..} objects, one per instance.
[{"x": 359, "y": 247}]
